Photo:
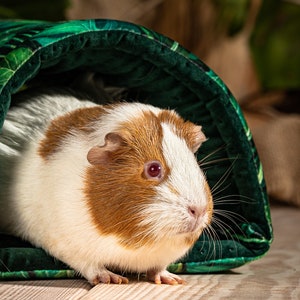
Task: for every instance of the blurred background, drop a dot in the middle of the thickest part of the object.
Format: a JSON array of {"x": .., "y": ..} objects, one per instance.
[{"x": 253, "y": 45}]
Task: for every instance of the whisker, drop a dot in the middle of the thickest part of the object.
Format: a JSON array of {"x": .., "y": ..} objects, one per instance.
[
  {"x": 206, "y": 240},
  {"x": 226, "y": 225},
  {"x": 215, "y": 193},
  {"x": 211, "y": 154},
  {"x": 229, "y": 199},
  {"x": 227, "y": 213},
  {"x": 231, "y": 216},
  {"x": 4, "y": 265},
  {"x": 213, "y": 161},
  {"x": 227, "y": 234},
  {"x": 214, "y": 240},
  {"x": 223, "y": 227},
  {"x": 222, "y": 179}
]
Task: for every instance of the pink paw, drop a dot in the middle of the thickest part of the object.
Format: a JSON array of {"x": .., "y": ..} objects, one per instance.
[
  {"x": 107, "y": 277},
  {"x": 164, "y": 277}
]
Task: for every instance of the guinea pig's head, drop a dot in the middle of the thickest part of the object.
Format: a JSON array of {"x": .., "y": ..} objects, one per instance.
[{"x": 144, "y": 184}]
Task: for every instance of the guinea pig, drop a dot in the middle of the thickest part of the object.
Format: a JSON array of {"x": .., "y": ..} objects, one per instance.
[{"x": 103, "y": 188}]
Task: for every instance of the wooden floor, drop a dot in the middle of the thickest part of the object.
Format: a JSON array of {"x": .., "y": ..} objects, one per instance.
[{"x": 276, "y": 276}]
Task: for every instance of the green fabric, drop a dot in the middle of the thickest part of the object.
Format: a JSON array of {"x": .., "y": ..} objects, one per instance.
[{"x": 157, "y": 70}]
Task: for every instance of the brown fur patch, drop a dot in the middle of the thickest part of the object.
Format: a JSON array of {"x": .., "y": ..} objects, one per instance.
[
  {"x": 192, "y": 239},
  {"x": 60, "y": 128},
  {"x": 117, "y": 192}
]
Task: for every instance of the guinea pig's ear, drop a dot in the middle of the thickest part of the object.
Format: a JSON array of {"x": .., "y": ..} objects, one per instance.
[
  {"x": 101, "y": 154},
  {"x": 198, "y": 138}
]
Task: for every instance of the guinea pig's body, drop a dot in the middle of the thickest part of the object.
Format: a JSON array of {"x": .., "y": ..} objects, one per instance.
[{"x": 103, "y": 188}]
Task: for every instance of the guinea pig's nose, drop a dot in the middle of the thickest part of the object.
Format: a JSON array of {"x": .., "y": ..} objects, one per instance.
[{"x": 196, "y": 211}]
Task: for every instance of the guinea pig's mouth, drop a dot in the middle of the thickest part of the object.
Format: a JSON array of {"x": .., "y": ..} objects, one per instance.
[{"x": 194, "y": 227}]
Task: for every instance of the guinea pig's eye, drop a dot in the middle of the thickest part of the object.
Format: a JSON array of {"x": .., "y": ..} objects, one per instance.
[{"x": 153, "y": 169}]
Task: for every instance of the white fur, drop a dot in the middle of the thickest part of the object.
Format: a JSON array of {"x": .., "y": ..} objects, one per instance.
[
  {"x": 46, "y": 198},
  {"x": 186, "y": 178}
]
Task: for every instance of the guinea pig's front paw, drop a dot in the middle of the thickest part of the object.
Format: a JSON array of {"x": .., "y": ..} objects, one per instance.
[
  {"x": 165, "y": 277},
  {"x": 105, "y": 276}
]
